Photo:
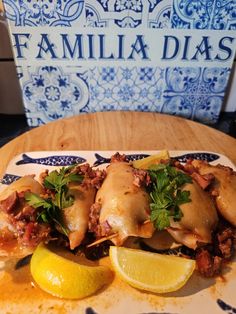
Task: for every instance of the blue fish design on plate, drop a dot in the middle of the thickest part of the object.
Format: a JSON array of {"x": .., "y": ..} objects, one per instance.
[
  {"x": 200, "y": 156},
  {"x": 90, "y": 310},
  {"x": 103, "y": 160},
  {"x": 9, "y": 178},
  {"x": 65, "y": 160},
  {"x": 158, "y": 313},
  {"x": 226, "y": 307},
  {"x": 182, "y": 158}
]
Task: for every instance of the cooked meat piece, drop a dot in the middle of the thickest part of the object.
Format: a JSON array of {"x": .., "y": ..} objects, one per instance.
[
  {"x": 224, "y": 241},
  {"x": 203, "y": 180},
  {"x": 210, "y": 258},
  {"x": 91, "y": 177},
  {"x": 100, "y": 230},
  {"x": 208, "y": 265}
]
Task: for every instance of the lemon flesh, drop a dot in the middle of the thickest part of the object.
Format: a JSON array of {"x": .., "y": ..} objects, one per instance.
[
  {"x": 151, "y": 271},
  {"x": 64, "y": 278},
  {"x": 155, "y": 159}
]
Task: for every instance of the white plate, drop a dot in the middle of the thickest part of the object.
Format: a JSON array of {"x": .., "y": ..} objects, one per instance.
[{"x": 199, "y": 295}]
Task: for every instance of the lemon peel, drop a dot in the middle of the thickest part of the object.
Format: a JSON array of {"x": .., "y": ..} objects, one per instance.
[
  {"x": 65, "y": 278},
  {"x": 155, "y": 159},
  {"x": 151, "y": 272}
]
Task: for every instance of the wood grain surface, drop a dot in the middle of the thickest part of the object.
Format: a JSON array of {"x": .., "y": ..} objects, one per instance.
[{"x": 120, "y": 131}]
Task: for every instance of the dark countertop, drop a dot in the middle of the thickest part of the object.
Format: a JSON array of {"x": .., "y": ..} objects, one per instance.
[{"x": 12, "y": 126}]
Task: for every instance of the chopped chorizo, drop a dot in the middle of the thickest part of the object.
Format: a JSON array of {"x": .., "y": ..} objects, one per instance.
[
  {"x": 141, "y": 178},
  {"x": 91, "y": 177},
  {"x": 100, "y": 230},
  {"x": 210, "y": 258},
  {"x": 208, "y": 265},
  {"x": 94, "y": 217},
  {"x": 118, "y": 157},
  {"x": 203, "y": 180}
]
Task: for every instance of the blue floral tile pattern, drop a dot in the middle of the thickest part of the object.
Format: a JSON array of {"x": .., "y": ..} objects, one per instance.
[
  {"x": 195, "y": 93},
  {"x": 51, "y": 92},
  {"x": 128, "y": 14},
  {"x": 205, "y": 14},
  {"x": 160, "y": 17},
  {"x": 44, "y": 13},
  {"x": 126, "y": 88}
]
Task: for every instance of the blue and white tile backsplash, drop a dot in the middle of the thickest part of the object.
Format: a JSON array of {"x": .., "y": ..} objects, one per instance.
[
  {"x": 81, "y": 56},
  {"x": 53, "y": 92}
]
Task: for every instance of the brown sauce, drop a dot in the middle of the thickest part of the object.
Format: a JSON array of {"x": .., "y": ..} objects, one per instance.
[
  {"x": 18, "y": 291},
  {"x": 18, "y": 284}
]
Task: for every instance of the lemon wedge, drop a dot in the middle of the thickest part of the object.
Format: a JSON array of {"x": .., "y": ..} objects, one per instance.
[
  {"x": 64, "y": 278},
  {"x": 146, "y": 162},
  {"x": 151, "y": 271}
]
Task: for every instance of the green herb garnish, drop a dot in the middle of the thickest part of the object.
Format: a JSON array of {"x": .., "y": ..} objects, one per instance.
[
  {"x": 57, "y": 182},
  {"x": 167, "y": 195}
]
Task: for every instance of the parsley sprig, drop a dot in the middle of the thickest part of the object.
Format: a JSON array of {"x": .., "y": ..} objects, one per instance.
[
  {"x": 166, "y": 194},
  {"x": 57, "y": 183}
]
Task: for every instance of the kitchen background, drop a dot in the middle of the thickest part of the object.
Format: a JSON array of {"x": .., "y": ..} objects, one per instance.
[{"x": 12, "y": 120}]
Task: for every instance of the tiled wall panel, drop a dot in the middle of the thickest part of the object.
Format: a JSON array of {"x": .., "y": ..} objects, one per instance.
[{"x": 56, "y": 91}]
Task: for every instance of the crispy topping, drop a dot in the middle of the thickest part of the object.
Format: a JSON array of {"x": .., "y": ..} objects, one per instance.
[
  {"x": 211, "y": 258},
  {"x": 100, "y": 229},
  {"x": 141, "y": 178},
  {"x": 91, "y": 177},
  {"x": 118, "y": 157}
]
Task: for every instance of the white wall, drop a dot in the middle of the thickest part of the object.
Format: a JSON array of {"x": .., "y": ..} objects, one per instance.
[{"x": 10, "y": 93}]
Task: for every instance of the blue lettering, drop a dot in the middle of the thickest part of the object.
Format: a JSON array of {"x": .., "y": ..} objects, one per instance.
[
  {"x": 170, "y": 52},
  {"x": 186, "y": 47},
  {"x": 90, "y": 46},
  {"x": 139, "y": 47},
  {"x": 203, "y": 49},
  {"x": 121, "y": 47},
  {"x": 224, "y": 48},
  {"x": 46, "y": 46},
  {"x": 77, "y": 47},
  {"x": 19, "y": 45},
  {"x": 102, "y": 48}
]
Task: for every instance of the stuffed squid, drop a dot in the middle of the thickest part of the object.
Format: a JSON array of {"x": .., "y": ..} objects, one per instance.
[
  {"x": 124, "y": 206},
  {"x": 75, "y": 218},
  {"x": 223, "y": 188},
  {"x": 20, "y": 232},
  {"x": 199, "y": 218}
]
